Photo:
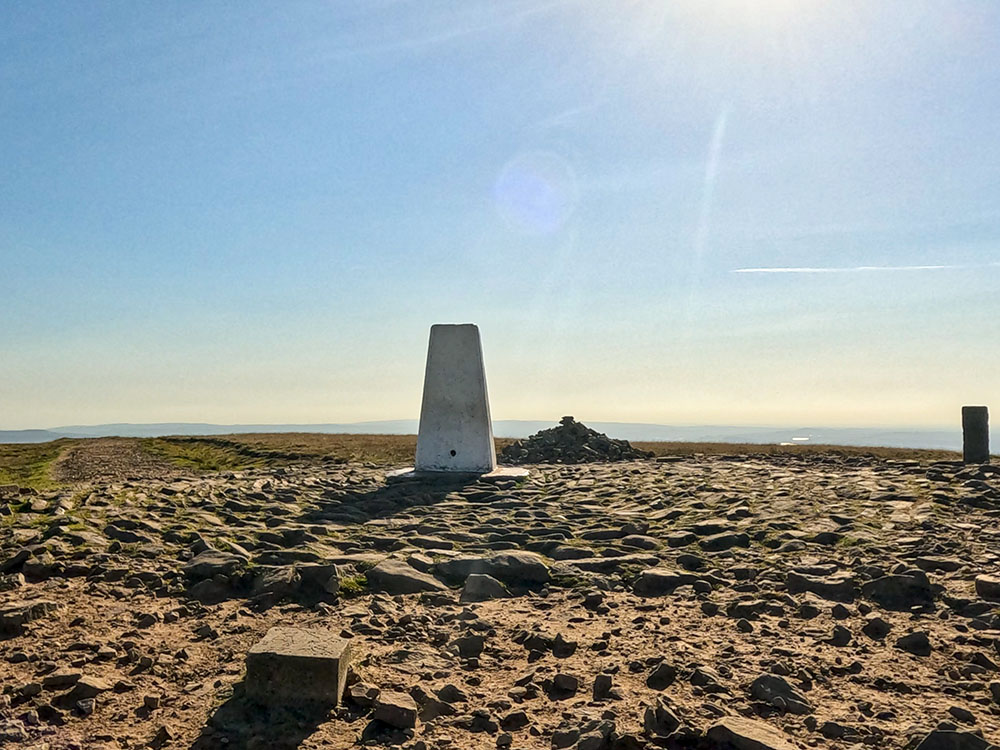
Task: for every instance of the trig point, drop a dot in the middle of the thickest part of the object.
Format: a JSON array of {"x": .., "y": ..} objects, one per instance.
[
  {"x": 455, "y": 433},
  {"x": 975, "y": 434},
  {"x": 455, "y": 436}
]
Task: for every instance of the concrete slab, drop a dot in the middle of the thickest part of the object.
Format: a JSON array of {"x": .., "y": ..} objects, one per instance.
[
  {"x": 412, "y": 475},
  {"x": 291, "y": 666}
]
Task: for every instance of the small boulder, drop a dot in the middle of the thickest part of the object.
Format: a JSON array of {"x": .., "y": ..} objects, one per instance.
[
  {"x": 212, "y": 562},
  {"x": 900, "y": 591},
  {"x": 916, "y": 643},
  {"x": 396, "y": 577},
  {"x": 396, "y": 709},
  {"x": 748, "y": 734},
  {"x": 480, "y": 587}
]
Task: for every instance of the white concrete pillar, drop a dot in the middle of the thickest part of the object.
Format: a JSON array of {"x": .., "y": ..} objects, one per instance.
[{"x": 455, "y": 434}]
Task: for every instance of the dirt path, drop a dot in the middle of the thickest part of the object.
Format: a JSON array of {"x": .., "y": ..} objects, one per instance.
[{"x": 110, "y": 460}]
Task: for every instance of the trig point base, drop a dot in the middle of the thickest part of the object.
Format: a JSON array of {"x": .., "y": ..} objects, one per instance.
[
  {"x": 975, "y": 434},
  {"x": 455, "y": 436}
]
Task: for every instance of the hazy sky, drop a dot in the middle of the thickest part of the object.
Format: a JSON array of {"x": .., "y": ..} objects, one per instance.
[{"x": 781, "y": 212}]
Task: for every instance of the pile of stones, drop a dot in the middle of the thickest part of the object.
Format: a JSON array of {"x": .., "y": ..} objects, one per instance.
[{"x": 571, "y": 442}]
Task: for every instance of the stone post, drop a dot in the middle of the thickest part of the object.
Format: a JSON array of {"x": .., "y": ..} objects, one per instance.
[
  {"x": 455, "y": 434},
  {"x": 975, "y": 435}
]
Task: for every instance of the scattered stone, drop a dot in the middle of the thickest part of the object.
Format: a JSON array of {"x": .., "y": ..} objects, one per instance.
[
  {"x": 776, "y": 691},
  {"x": 900, "y": 591},
  {"x": 569, "y": 443},
  {"x": 660, "y": 582},
  {"x": 660, "y": 719},
  {"x": 838, "y": 587},
  {"x": 876, "y": 628},
  {"x": 988, "y": 587},
  {"x": 212, "y": 562},
  {"x": 916, "y": 642},
  {"x": 480, "y": 588},
  {"x": 662, "y": 676},
  {"x": 941, "y": 739},
  {"x": 14, "y": 616},
  {"x": 396, "y": 577},
  {"x": 748, "y": 734},
  {"x": 396, "y": 709}
]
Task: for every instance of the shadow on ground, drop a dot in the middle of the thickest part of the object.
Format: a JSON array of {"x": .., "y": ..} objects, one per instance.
[
  {"x": 363, "y": 505},
  {"x": 242, "y": 724}
]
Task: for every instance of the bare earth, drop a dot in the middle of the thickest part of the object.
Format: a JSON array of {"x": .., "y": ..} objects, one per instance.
[{"x": 784, "y": 589}]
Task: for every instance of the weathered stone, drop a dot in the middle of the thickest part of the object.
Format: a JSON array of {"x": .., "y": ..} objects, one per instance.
[
  {"x": 916, "y": 643},
  {"x": 660, "y": 719},
  {"x": 748, "y": 734},
  {"x": 839, "y": 587},
  {"x": 396, "y": 709},
  {"x": 941, "y": 739},
  {"x": 988, "y": 587},
  {"x": 480, "y": 588},
  {"x": 776, "y": 691},
  {"x": 876, "y": 628},
  {"x": 725, "y": 540},
  {"x": 290, "y": 666},
  {"x": 396, "y": 577},
  {"x": 14, "y": 616},
  {"x": 565, "y": 683},
  {"x": 660, "y": 581},
  {"x": 88, "y": 687},
  {"x": 277, "y": 581},
  {"x": 900, "y": 591},
  {"x": 512, "y": 568},
  {"x": 212, "y": 562},
  {"x": 662, "y": 676}
]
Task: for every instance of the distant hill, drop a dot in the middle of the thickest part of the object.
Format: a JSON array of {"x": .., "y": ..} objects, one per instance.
[
  {"x": 890, "y": 438},
  {"x": 28, "y": 436}
]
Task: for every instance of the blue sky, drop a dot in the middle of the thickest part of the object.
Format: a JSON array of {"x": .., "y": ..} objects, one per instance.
[{"x": 778, "y": 212}]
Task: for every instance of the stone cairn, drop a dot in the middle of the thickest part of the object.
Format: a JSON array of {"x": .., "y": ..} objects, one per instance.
[{"x": 571, "y": 442}]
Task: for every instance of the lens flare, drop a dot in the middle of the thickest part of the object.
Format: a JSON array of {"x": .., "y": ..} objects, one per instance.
[{"x": 536, "y": 192}]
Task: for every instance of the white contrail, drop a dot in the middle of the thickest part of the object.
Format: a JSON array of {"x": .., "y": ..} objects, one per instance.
[
  {"x": 708, "y": 188},
  {"x": 863, "y": 269},
  {"x": 705, "y": 212}
]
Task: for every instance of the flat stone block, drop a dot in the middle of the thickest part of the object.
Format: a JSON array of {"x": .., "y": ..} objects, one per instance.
[{"x": 291, "y": 666}]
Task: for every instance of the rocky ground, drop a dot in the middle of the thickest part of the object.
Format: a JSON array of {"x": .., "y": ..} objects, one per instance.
[{"x": 749, "y": 601}]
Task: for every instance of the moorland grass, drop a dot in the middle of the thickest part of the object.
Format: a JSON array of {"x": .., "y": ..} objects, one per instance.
[{"x": 30, "y": 464}]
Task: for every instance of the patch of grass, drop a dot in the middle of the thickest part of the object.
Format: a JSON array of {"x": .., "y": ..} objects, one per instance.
[
  {"x": 353, "y": 586},
  {"x": 851, "y": 541},
  {"x": 30, "y": 464},
  {"x": 200, "y": 454},
  {"x": 570, "y": 582}
]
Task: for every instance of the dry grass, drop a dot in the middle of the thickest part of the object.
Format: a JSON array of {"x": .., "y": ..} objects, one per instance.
[
  {"x": 29, "y": 465},
  {"x": 717, "y": 449}
]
